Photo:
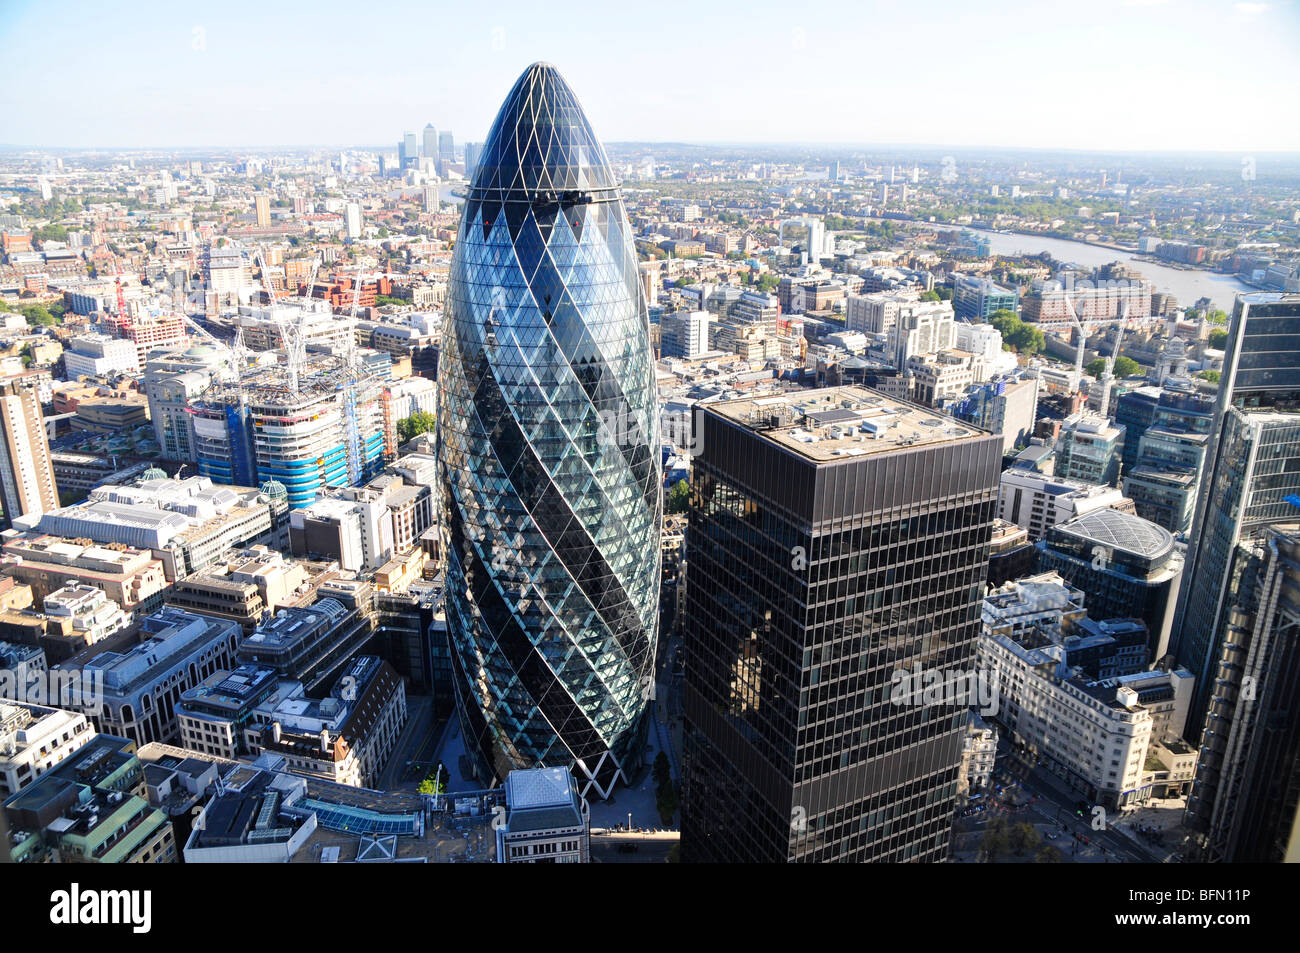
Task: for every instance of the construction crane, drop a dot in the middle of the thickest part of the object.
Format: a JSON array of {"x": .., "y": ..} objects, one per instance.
[
  {"x": 201, "y": 331},
  {"x": 121, "y": 298},
  {"x": 1108, "y": 375},
  {"x": 291, "y": 337},
  {"x": 311, "y": 276},
  {"x": 351, "y": 424},
  {"x": 361, "y": 277},
  {"x": 1082, "y": 326}
]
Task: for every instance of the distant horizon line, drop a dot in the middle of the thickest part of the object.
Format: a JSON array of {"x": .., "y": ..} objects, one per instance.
[{"x": 678, "y": 143}]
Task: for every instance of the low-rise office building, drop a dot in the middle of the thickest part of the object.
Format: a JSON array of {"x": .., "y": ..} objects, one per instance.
[
  {"x": 345, "y": 737},
  {"x": 1038, "y": 501},
  {"x": 213, "y": 715},
  {"x": 311, "y": 644},
  {"x": 23, "y": 664},
  {"x": 85, "y": 614},
  {"x": 187, "y": 524},
  {"x": 90, "y": 809},
  {"x": 546, "y": 821},
  {"x": 141, "y": 686},
  {"x": 35, "y": 739},
  {"x": 131, "y": 577},
  {"x": 1090, "y": 449},
  {"x": 1129, "y": 567},
  {"x": 1096, "y": 734}
]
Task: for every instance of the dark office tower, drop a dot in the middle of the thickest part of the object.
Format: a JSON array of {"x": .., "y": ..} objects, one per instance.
[
  {"x": 1251, "y": 469},
  {"x": 447, "y": 146},
  {"x": 1245, "y": 801},
  {"x": 430, "y": 144},
  {"x": 1126, "y": 566},
  {"x": 548, "y": 453},
  {"x": 836, "y": 537}
]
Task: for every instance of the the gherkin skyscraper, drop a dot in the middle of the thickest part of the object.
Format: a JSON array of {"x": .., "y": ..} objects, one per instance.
[{"x": 548, "y": 452}]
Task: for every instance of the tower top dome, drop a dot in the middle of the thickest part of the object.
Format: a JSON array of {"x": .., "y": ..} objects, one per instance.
[{"x": 541, "y": 141}]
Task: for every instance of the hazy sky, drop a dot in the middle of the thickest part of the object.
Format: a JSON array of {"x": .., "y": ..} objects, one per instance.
[{"x": 1096, "y": 74}]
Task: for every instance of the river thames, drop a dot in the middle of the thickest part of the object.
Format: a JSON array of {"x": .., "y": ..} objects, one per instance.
[{"x": 1186, "y": 286}]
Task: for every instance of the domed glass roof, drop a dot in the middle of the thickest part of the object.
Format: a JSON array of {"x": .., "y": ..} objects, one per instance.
[{"x": 275, "y": 490}]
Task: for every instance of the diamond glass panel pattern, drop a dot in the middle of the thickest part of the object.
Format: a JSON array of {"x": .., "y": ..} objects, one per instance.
[{"x": 548, "y": 452}]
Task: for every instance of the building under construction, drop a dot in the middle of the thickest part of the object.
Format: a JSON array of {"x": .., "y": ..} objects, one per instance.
[
  {"x": 327, "y": 427},
  {"x": 315, "y": 322}
]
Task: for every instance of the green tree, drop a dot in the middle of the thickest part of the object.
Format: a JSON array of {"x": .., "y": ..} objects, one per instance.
[
  {"x": 1211, "y": 376},
  {"x": 408, "y": 428},
  {"x": 996, "y": 840},
  {"x": 1022, "y": 837},
  {"x": 678, "y": 499},
  {"x": 931, "y": 296},
  {"x": 662, "y": 770},
  {"x": 37, "y": 315},
  {"x": 1017, "y": 336},
  {"x": 52, "y": 232},
  {"x": 1124, "y": 366},
  {"x": 434, "y": 783},
  {"x": 665, "y": 791},
  {"x": 1218, "y": 339}
]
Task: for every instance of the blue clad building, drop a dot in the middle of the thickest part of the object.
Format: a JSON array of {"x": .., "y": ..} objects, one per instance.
[{"x": 548, "y": 453}]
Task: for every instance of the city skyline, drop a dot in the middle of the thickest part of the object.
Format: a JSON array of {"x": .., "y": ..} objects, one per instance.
[
  {"x": 244, "y": 76},
  {"x": 603, "y": 464}
]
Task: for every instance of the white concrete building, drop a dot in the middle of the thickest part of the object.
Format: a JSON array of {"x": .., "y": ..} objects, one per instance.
[
  {"x": 98, "y": 355},
  {"x": 1038, "y": 502},
  {"x": 1094, "y": 734},
  {"x": 34, "y": 739},
  {"x": 979, "y": 752},
  {"x": 91, "y": 614},
  {"x": 412, "y": 395},
  {"x": 684, "y": 334}
]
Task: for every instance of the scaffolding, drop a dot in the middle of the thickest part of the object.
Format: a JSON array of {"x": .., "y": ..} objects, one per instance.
[
  {"x": 351, "y": 433},
  {"x": 390, "y": 431}
]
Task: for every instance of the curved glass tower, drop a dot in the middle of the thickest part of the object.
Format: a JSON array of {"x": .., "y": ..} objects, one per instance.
[{"x": 548, "y": 452}]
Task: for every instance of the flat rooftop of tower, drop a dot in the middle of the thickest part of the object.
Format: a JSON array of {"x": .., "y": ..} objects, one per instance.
[{"x": 839, "y": 423}]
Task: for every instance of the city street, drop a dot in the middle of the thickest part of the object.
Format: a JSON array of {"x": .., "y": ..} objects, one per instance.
[
  {"x": 1052, "y": 808},
  {"x": 405, "y": 768}
]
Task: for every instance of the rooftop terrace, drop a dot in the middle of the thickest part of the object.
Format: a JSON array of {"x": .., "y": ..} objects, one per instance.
[{"x": 842, "y": 422}]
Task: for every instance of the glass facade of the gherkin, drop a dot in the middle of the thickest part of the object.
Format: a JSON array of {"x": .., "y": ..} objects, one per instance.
[{"x": 548, "y": 453}]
